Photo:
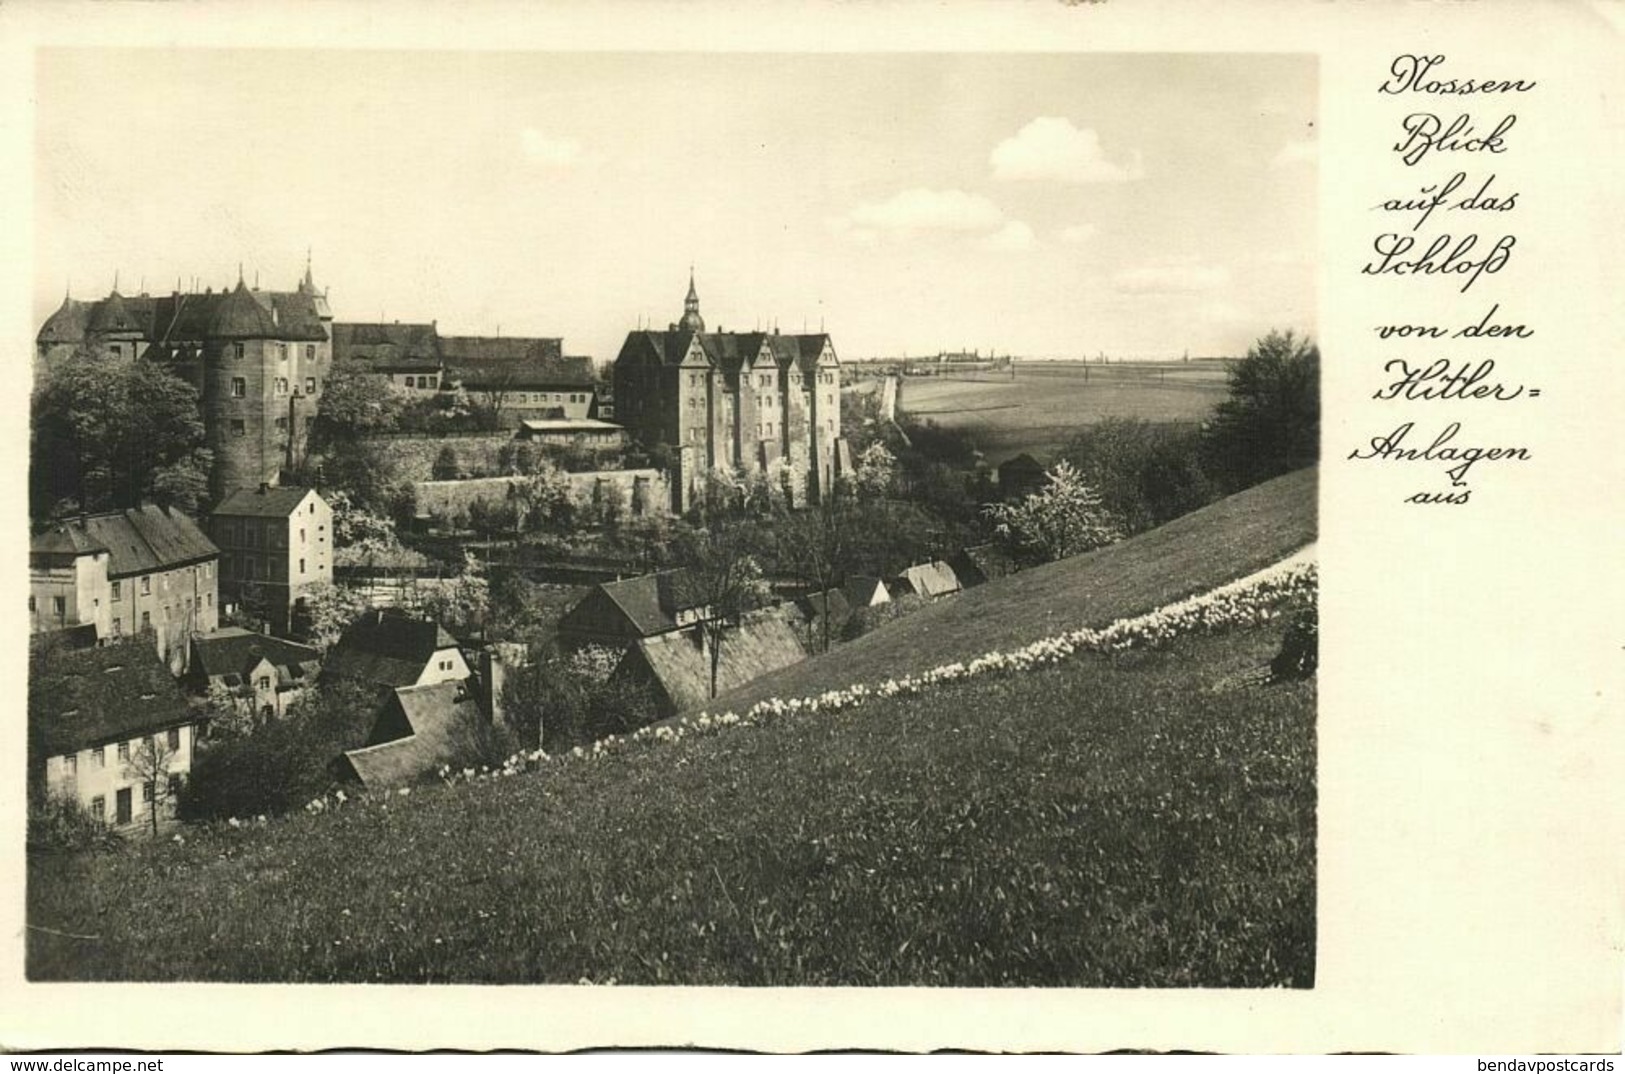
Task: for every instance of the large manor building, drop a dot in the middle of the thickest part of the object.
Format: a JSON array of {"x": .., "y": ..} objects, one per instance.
[
  {"x": 259, "y": 360},
  {"x": 747, "y": 401}
]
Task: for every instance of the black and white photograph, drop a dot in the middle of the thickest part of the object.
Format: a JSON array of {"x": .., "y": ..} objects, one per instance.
[{"x": 594, "y": 519}]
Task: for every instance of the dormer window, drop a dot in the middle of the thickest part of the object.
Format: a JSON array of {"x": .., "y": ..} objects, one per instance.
[{"x": 237, "y": 351}]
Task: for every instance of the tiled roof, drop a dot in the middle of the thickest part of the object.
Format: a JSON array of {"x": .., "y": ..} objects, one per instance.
[
  {"x": 112, "y": 315},
  {"x": 981, "y": 563},
  {"x": 139, "y": 540},
  {"x": 273, "y": 501},
  {"x": 680, "y": 665},
  {"x": 934, "y": 579},
  {"x": 67, "y": 324},
  {"x": 389, "y": 648},
  {"x": 239, "y": 315},
  {"x": 66, "y": 539},
  {"x": 234, "y": 651},
  {"x": 177, "y": 317},
  {"x": 412, "y": 343},
  {"x": 442, "y": 725},
  {"x": 112, "y": 693},
  {"x": 477, "y": 350},
  {"x": 726, "y": 350}
]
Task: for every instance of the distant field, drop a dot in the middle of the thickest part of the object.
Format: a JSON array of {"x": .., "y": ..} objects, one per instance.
[{"x": 1044, "y": 404}]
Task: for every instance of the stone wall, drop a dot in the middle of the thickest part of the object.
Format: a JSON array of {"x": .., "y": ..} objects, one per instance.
[{"x": 449, "y": 497}]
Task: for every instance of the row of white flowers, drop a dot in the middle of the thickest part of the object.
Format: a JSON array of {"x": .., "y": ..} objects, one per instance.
[{"x": 1250, "y": 601}]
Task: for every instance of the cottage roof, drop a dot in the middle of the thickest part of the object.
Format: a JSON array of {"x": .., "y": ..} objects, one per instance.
[
  {"x": 934, "y": 579},
  {"x": 831, "y": 602},
  {"x": 679, "y": 664},
  {"x": 981, "y": 563},
  {"x": 417, "y": 730},
  {"x": 388, "y": 647},
  {"x": 235, "y": 651},
  {"x": 83, "y": 698},
  {"x": 138, "y": 540},
  {"x": 1024, "y": 464},
  {"x": 264, "y": 501},
  {"x": 862, "y": 590}
]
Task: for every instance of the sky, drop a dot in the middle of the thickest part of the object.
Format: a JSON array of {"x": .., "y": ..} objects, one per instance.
[{"x": 1046, "y": 205}]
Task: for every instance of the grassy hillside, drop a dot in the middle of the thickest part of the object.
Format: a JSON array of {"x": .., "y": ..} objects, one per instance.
[
  {"x": 1108, "y": 821},
  {"x": 1219, "y": 543}
]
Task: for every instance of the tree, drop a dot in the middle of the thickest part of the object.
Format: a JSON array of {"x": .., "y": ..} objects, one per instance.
[
  {"x": 447, "y": 467},
  {"x": 819, "y": 544},
  {"x": 723, "y": 581},
  {"x": 1062, "y": 519},
  {"x": 1146, "y": 474},
  {"x": 112, "y": 432},
  {"x": 326, "y": 611},
  {"x": 571, "y": 699},
  {"x": 874, "y": 471},
  {"x": 1270, "y": 423},
  {"x": 460, "y": 602},
  {"x": 149, "y": 766},
  {"x": 355, "y": 403}
]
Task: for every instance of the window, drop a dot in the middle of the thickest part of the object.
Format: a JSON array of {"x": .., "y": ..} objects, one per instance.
[
  {"x": 174, "y": 738},
  {"x": 282, "y": 352},
  {"x": 237, "y": 428},
  {"x": 310, "y": 354},
  {"x": 146, "y": 585},
  {"x": 263, "y": 682},
  {"x": 122, "y": 806},
  {"x": 123, "y": 751},
  {"x": 174, "y": 787},
  {"x": 282, "y": 385},
  {"x": 237, "y": 350},
  {"x": 146, "y": 620},
  {"x": 301, "y": 535},
  {"x": 98, "y": 809},
  {"x": 301, "y": 566},
  {"x": 248, "y": 567},
  {"x": 769, "y": 428},
  {"x": 282, "y": 425},
  {"x": 118, "y": 590},
  {"x": 239, "y": 387},
  {"x": 310, "y": 385},
  {"x": 99, "y": 755},
  {"x": 147, "y": 790},
  {"x": 59, "y": 605},
  {"x": 118, "y": 627},
  {"x": 208, "y": 598},
  {"x": 70, "y": 765},
  {"x": 118, "y": 351}
]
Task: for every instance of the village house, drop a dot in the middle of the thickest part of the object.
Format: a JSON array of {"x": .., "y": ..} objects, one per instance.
[
  {"x": 1021, "y": 476},
  {"x": 522, "y": 378},
  {"x": 981, "y": 563},
  {"x": 864, "y": 591},
  {"x": 392, "y": 648},
  {"x": 110, "y": 728},
  {"x": 408, "y": 355},
  {"x": 262, "y": 675},
  {"x": 415, "y": 731},
  {"x": 589, "y": 433},
  {"x": 144, "y": 568},
  {"x": 928, "y": 580},
  {"x": 275, "y": 542},
  {"x": 753, "y": 401},
  {"x": 618, "y": 614},
  {"x": 676, "y": 666}
]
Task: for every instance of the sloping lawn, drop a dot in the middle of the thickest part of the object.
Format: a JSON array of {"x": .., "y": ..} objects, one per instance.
[
  {"x": 1207, "y": 548},
  {"x": 1103, "y": 822}
]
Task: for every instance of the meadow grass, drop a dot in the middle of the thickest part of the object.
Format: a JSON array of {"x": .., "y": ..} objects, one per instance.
[
  {"x": 1190, "y": 555},
  {"x": 1104, "y": 822}
]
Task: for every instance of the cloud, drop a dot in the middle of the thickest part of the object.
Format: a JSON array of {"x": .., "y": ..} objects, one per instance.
[
  {"x": 919, "y": 209},
  {"x": 1013, "y": 237},
  {"x": 1053, "y": 149},
  {"x": 549, "y": 151},
  {"x": 1078, "y": 233},
  {"x": 1176, "y": 276},
  {"x": 1304, "y": 151}
]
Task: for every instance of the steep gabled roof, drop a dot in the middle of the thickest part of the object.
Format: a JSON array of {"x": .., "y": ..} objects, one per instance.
[
  {"x": 412, "y": 343},
  {"x": 66, "y": 539},
  {"x": 417, "y": 730},
  {"x": 934, "y": 579},
  {"x": 272, "y": 501},
  {"x": 678, "y": 664},
  {"x": 234, "y": 651},
  {"x": 474, "y": 351},
  {"x": 83, "y": 698},
  {"x": 388, "y": 647},
  {"x": 981, "y": 563},
  {"x": 113, "y": 315}
]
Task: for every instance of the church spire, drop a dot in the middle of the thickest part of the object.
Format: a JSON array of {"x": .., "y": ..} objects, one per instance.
[
  {"x": 692, "y": 321},
  {"x": 308, "y": 284}
]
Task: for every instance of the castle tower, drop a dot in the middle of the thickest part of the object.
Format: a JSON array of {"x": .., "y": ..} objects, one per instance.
[{"x": 691, "y": 321}]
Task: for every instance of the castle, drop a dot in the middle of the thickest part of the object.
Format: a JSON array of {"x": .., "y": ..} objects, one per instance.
[
  {"x": 756, "y": 402},
  {"x": 259, "y": 360}
]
